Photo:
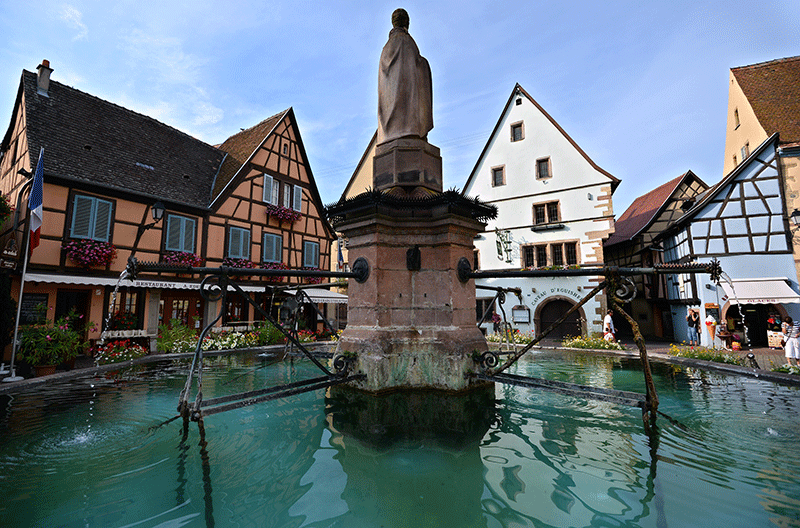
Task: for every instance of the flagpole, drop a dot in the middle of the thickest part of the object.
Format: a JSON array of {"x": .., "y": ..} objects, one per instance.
[{"x": 27, "y": 237}]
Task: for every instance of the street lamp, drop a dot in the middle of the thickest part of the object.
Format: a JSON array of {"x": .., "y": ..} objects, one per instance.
[{"x": 157, "y": 212}]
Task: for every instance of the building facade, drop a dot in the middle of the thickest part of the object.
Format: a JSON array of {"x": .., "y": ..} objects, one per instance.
[
  {"x": 554, "y": 211},
  {"x": 249, "y": 202}
]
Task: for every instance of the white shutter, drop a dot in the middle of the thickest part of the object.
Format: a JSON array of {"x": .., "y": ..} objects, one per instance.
[
  {"x": 297, "y": 199},
  {"x": 82, "y": 217},
  {"x": 266, "y": 194}
]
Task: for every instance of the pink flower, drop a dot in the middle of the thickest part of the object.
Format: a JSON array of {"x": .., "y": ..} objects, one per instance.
[{"x": 49, "y": 338}]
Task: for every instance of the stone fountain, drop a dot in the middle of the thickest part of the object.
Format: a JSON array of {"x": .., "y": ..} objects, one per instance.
[{"x": 411, "y": 326}]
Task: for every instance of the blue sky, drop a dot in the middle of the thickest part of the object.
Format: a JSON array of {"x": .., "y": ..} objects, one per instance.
[{"x": 642, "y": 87}]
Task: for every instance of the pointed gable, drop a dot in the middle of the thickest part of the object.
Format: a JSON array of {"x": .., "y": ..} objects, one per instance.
[
  {"x": 773, "y": 91},
  {"x": 556, "y": 135},
  {"x": 645, "y": 209}
]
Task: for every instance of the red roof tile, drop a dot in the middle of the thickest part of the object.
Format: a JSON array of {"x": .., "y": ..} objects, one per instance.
[{"x": 773, "y": 90}]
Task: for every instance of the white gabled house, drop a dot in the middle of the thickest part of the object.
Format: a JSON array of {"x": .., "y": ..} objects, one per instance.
[{"x": 554, "y": 210}]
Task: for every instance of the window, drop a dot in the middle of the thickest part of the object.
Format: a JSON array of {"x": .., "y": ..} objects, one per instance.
[
  {"x": 91, "y": 218},
  {"x": 475, "y": 259},
  {"x": 543, "y": 169},
  {"x": 236, "y": 309},
  {"x": 529, "y": 256},
  {"x": 285, "y": 149},
  {"x": 272, "y": 188},
  {"x": 180, "y": 233},
  {"x": 557, "y": 254},
  {"x": 293, "y": 197},
  {"x": 517, "y": 132},
  {"x": 498, "y": 176},
  {"x": 571, "y": 253},
  {"x": 745, "y": 151},
  {"x": 272, "y": 248},
  {"x": 541, "y": 256},
  {"x": 238, "y": 243},
  {"x": 126, "y": 311},
  {"x": 735, "y": 118},
  {"x": 735, "y": 161},
  {"x": 545, "y": 213},
  {"x": 481, "y": 307},
  {"x": 310, "y": 254}
]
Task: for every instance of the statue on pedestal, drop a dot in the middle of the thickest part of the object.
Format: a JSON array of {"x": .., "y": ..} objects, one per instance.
[{"x": 405, "y": 90}]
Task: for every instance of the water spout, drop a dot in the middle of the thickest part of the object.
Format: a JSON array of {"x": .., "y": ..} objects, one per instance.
[{"x": 107, "y": 321}]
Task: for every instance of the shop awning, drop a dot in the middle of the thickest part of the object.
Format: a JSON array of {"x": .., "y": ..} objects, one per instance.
[
  {"x": 773, "y": 290},
  {"x": 125, "y": 283},
  {"x": 320, "y": 295}
]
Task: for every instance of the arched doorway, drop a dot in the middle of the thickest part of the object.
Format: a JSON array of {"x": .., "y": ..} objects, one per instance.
[{"x": 551, "y": 311}]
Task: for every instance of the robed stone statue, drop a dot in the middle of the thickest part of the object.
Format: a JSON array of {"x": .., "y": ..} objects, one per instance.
[{"x": 405, "y": 90}]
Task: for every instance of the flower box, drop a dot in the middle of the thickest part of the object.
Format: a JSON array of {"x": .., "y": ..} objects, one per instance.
[
  {"x": 183, "y": 258},
  {"x": 90, "y": 253},
  {"x": 312, "y": 280},
  {"x": 283, "y": 213},
  {"x": 275, "y": 266}
]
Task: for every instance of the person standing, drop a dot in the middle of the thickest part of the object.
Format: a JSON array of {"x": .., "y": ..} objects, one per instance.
[
  {"x": 608, "y": 327},
  {"x": 693, "y": 322},
  {"x": 792, "y": 346}
]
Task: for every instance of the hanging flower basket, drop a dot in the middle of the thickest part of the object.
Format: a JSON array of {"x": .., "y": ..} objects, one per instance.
[
  {"x": 312, "y": 280},
  {"x": 5, "y": 208},
  {"x": 275, "y": 266},
  {"x": 283, "y": 213},
  {"x": 90, "y": 253},
  {"x": 183, "y": 258}
]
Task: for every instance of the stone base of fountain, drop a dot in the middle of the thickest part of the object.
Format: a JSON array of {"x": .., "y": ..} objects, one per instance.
[
  {"x": 407, "y": 163},
  {"x": 383, "y": 419}
]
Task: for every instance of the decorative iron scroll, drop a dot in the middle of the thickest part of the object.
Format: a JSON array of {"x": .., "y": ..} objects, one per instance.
[{"x": 626, "y": 289}]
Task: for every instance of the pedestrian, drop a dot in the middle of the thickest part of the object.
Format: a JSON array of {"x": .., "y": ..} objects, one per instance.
[
  {"x": 693, "y": 322},
  {"x": 792, "y": 347},
  {"x": 495, "y": 322},
  {"x": 608, "y": 327}
]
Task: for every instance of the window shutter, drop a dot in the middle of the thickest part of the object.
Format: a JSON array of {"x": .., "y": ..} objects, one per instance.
[
  {"x": 235, "y": 243},
  {"x": 82, "y": 217},
  {"x": 102, "y": 221},
  {"x": 267, "y": 192},
  {"x": 173, "y": 233},
  {"x": 245, "y": 244},
  {"x": 273, "y": 248},
  {"x": 188, "y": 234},
  {"x": 310, "y": 254},
  {"x": 297, "y": 202}
]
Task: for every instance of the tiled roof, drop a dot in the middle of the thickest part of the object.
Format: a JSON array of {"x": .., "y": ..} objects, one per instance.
[
  {"x": 92, "y": 140},
  {"x": 241, "y": 146},
  {"x": 643, "y": 211},
  {"x": 773, "y": 90}
]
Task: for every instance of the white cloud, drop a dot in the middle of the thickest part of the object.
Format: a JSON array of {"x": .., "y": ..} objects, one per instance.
[{"x": 74, "y": 19}]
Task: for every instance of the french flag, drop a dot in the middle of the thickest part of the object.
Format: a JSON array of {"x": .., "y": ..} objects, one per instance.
[{"x": 35, "y": 201}]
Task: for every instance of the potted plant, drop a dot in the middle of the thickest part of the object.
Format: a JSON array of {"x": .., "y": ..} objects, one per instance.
[
  {"x": 5, "y": 208},
  {"x": 45, "y": 346},
  {"x": 123, "y": 320},
  {"x": 90, "y": 253}
]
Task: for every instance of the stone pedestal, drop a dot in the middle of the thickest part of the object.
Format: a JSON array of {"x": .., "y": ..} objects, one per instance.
[
  {"x": 408, "y": 163},
  {"x": 412, "y": 323}
]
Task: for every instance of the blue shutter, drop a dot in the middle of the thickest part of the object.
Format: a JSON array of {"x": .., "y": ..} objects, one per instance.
[
  {"x": 310, "y": 254},
  {"x": 272, "y": 248},
  {"x": 238, "y": 243},
  {"x": 173, "y": 233},
  {"x": 102, "y": 220},
  {"x": 82, "y": 217},
  {"x": 189, "y": 234}
]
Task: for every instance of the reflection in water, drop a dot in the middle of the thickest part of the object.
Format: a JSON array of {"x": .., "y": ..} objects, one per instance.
[{"x": 542, "y": 459}]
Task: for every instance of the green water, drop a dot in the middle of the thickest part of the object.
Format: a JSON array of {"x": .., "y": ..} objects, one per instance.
[{"x": 82, "y": 454}]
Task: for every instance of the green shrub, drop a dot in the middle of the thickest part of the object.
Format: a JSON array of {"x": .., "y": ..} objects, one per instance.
[
  {"x": 267, "y": 334},
  {"x": 704, "y": 353},
  {"x": 176, "y": 338},
  {"x": 596, "y": 343},
  {"x": 53, "y": 343}
]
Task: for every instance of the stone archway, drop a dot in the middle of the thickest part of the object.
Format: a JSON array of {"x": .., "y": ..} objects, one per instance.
[{"x": 551, "y": 309}]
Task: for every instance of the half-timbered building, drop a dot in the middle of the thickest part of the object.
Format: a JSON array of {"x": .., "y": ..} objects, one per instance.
[
  {"x": 251, "y": 201},
  {"x": 554, "y": 211},
  {"x": 632, "y": 245},
  {"x": 743, "y": 223}
]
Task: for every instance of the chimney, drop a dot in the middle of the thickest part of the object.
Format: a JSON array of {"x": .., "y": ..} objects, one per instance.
[{"x": 43, "y": 77}]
